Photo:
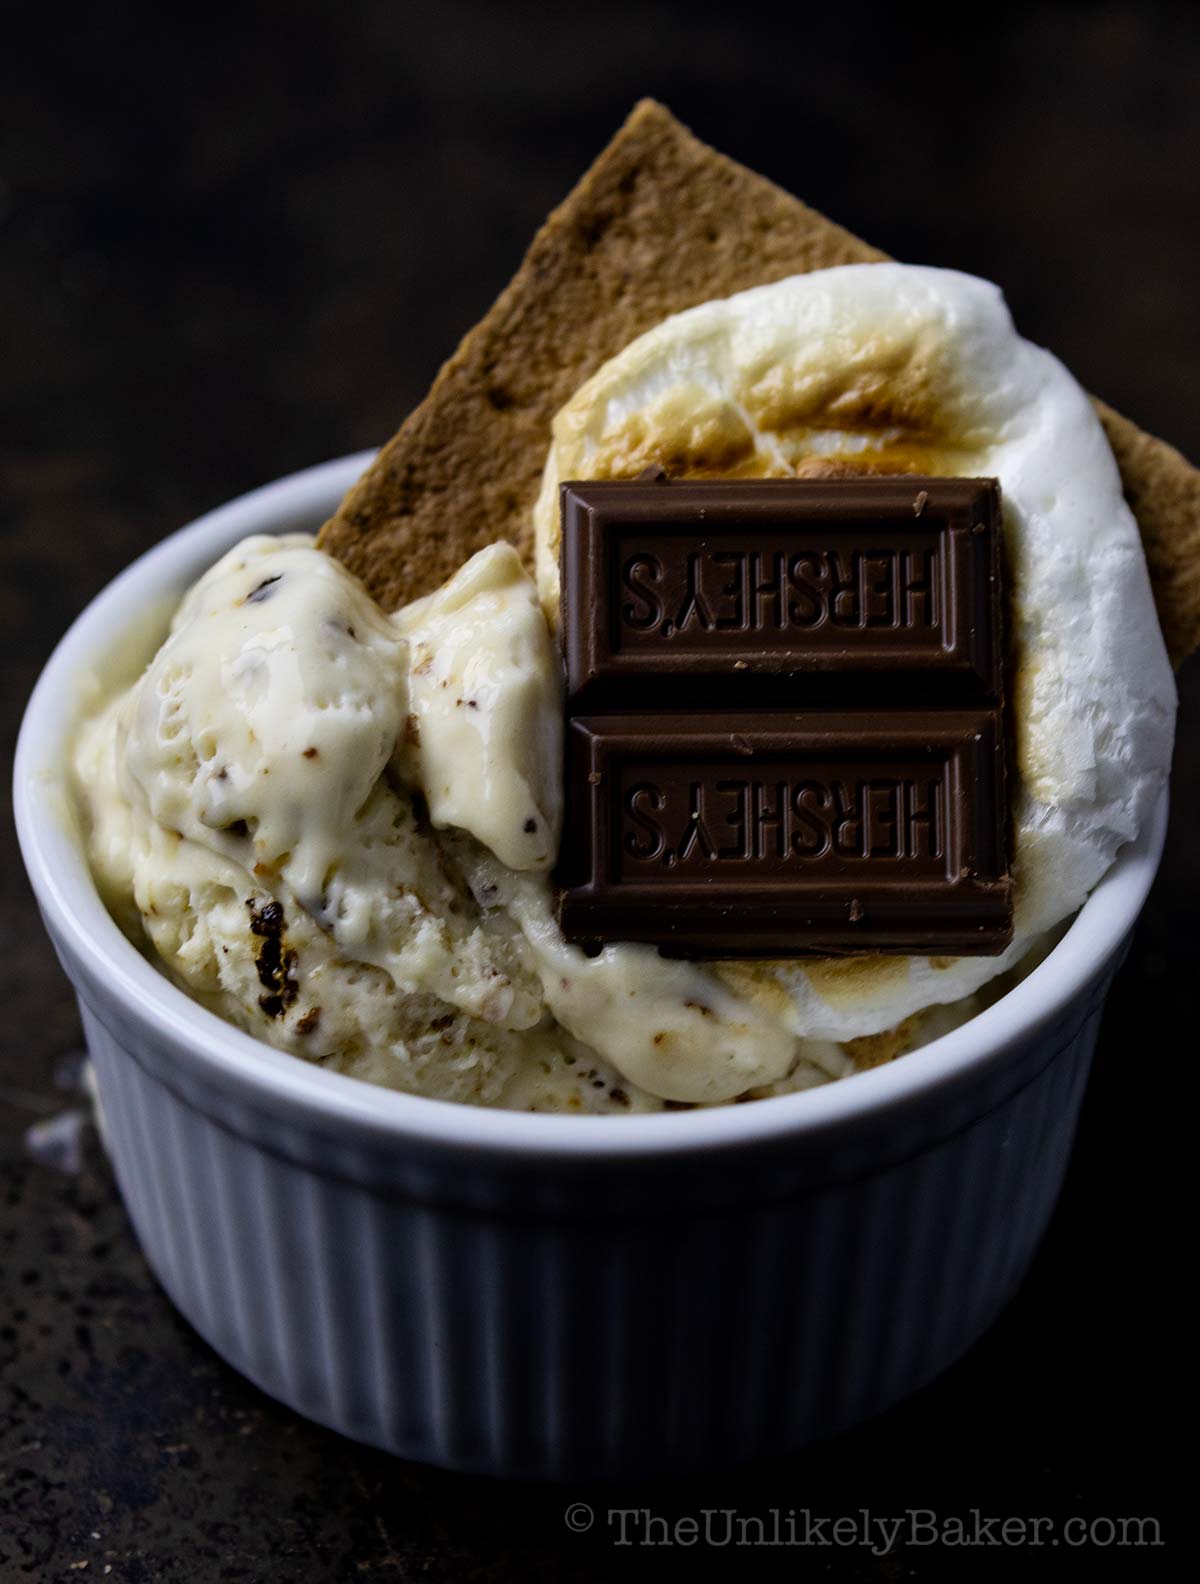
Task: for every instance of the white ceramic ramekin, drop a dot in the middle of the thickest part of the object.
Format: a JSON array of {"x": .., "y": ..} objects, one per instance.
[{"x": 551, "y": 1295}]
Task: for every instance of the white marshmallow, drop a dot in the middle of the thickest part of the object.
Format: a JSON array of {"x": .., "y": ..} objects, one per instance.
[{"x": 902, "y": 368}]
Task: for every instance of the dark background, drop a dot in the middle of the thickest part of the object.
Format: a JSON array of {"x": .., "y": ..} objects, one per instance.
[{"x": 232, "y": 244}]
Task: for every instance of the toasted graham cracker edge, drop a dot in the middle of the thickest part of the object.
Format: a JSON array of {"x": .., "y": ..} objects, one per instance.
[
  {"x": 659, "y": 223},
  {"x": 644, "y": 234}
]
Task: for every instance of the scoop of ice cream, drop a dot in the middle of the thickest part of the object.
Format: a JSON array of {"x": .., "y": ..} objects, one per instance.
[
  {"x": 891, "y": 368},
  {"x": 257, "y": 744},
  {"x": 319, "y": 815},
  {"x": 270, "y": 712},
  {"x": 483, "y": 736}
]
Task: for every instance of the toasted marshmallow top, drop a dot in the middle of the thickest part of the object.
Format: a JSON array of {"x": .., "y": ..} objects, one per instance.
[{"x": 892, "y": 368}]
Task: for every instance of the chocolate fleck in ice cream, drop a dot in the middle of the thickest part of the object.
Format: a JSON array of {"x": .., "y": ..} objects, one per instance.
[{"x": 807, "y": 791}]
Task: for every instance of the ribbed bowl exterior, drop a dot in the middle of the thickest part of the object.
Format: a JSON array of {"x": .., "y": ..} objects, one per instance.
[{"x": 598, "y": 1319}]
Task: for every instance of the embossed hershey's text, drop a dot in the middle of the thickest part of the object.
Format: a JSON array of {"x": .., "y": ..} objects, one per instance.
[
  {"x": 672, "y": 592},
  {"x": 696, "y": 825}
]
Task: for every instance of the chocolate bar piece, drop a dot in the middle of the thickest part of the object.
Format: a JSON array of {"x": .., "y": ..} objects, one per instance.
[
  {"x": 745, "y": 588},
  {"x": 775, "y": 834},
  {"x": 785, "y": 728}
]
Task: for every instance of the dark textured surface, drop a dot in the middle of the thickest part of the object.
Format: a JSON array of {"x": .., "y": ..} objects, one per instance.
[{"x": 228, "y": 249}]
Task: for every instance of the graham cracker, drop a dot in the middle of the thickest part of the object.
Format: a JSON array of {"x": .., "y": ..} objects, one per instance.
[
  {"x": 1163, "y": 491},
  {"x": 659, "y": 223}
]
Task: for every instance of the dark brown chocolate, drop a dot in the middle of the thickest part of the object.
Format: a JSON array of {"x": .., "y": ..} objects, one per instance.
[
  {"x": 746, "y": 588},
  {"x": 780, "y": 835},
  {"x": 786, "y": 731}
]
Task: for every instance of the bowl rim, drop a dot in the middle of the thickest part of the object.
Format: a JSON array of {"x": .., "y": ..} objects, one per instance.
[{"x": 237, "y": 1062}]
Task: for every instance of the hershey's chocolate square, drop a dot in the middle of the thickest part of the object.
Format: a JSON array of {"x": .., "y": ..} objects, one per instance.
[
  {"x": 747, "y": 588},
  {"x": 786, "y": 732}
]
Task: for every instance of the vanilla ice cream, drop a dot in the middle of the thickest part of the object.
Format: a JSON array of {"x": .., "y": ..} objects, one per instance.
[{"x": 336, "y": 827}]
